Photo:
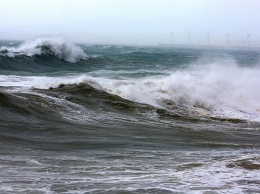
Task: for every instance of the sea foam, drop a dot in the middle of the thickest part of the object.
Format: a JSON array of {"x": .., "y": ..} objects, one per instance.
[
  {"x": 220, "y": 89},
  {"x": 59, "y": 46}
]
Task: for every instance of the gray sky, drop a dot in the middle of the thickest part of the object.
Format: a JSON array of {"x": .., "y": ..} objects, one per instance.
[{"x": 142, "y": 22}]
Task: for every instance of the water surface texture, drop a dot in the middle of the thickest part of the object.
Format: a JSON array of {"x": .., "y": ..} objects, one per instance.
[{"x": 125, "y": 119}]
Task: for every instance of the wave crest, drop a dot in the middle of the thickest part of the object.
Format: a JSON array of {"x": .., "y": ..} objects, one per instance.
[{"x": 60, "y": 47}]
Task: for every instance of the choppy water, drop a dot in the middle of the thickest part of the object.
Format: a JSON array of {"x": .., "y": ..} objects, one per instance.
[{"x": 121, "y": 119}]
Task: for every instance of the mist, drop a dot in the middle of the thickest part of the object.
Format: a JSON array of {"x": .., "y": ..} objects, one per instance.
[{"x": 135, "y": 22}]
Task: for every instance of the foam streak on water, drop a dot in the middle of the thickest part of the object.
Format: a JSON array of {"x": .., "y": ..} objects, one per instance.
[{"x": 99, "y": 172}]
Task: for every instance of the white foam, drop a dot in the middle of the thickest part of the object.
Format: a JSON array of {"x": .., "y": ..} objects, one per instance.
[
  {"x": 22, "y": 83},
  {"x": 185, "y": 171},
  {"x": 59, "y": 46},
  {"x": 216, "y": 175},
  {"x": 221, "y": 89}
]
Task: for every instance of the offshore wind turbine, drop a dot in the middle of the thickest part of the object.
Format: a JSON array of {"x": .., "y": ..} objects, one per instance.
[
  {"x": 228, "y": 39},
  {"x": 248, "y": 38}
]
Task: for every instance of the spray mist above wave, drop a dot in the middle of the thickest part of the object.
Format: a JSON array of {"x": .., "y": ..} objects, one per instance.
[
  {"x": 60, "y": 47},
  {"x": 220, "y": 89}
]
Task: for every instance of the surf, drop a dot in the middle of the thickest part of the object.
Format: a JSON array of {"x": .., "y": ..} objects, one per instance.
[
  {"x": 222, "y": 89},
  {"x": 60, "y": 47}
]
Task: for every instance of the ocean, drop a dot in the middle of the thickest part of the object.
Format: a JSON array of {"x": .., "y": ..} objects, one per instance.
[{"x": 86, "y": 118}]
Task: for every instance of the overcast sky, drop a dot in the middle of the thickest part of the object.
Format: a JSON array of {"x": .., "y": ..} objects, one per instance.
[{"x": 143, "y": 22}]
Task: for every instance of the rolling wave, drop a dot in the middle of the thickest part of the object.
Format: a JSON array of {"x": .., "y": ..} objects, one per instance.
[
  {"x": 220, "y": 90},
  {"x": 59, "y": 47}
]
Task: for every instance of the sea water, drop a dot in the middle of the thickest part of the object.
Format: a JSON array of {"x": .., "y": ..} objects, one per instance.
[{"x": 79, "y": 118}]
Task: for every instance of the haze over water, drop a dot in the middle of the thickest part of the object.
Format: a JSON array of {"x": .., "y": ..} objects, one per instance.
[{"x": 135, "y": 22}]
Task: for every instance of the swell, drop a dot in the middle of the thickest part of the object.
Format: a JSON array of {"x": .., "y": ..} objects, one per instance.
[
  {"x": 89, "y": 96},
  {"x": 80, "y": 104},
  {"x": 79, "y": 114},
  {"x": 96, "y": 99},
  {"x": 143, "y": 57},
  {"x": 23, "y": 108},
  {"x": 44, "y": 63},
  {"x": 182, "y": 96}
]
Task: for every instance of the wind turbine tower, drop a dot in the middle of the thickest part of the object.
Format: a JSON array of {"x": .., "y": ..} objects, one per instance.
[
  {"x": 228, "y": 39},
  {"x": 248, "y": 39},
  {"x": 189, "y": 37}
]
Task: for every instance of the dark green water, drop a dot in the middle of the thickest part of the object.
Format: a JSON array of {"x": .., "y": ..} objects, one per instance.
[{"x": 121, "y": 119}]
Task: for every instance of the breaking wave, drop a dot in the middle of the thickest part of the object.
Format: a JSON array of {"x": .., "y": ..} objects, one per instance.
[
  {"x": 222, "y": 89},
  {"x": 59, "y": 47}
]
